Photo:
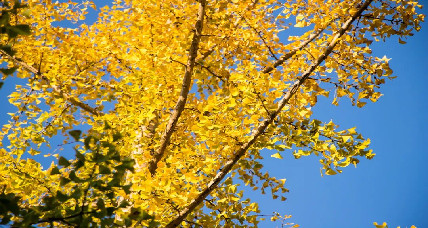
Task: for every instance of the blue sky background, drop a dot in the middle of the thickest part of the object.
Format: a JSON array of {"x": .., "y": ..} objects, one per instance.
[{"x": 392, "y": 187}]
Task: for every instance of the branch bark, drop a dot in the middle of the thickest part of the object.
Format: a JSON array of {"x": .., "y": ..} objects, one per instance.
[
  {"x": 185, "y": 88},
  {"x": 55, "y": 88},
  {"x": 262, "y": 127},
  {"x": 293, "y": 52}
]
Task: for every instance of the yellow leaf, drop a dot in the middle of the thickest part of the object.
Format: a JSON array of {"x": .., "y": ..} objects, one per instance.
[
  {"x": 380, "y": 226},
  {"x": 300, "y": 24},
  {"x": 330, "y": 172},
  {"x": 345, "y": 138},
  {"x": 277, "y": 155},
  {"x": 361, "y": 104}
]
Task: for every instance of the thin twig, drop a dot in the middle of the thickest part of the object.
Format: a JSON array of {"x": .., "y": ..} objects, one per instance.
[
  {"x": 212, "y": 72},
  {"x": 262, "y": 38}
]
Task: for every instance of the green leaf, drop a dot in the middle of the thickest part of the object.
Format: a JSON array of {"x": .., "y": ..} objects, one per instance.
[
  {"x": 24, "y": 30},
  {"x": 79, "y": 164},
  {"x": 100, "y": 204},
  {"x": 128, "y": 163},
  {"x": 104, "y": 169},
  {"x": 75, "y": 134},
  {"x": 55, "y": 170},
  {"x": 77, "y": 193},
  {"x": 5, "y": 220},
  {"x": 146, "y": 216},
  {"x": 99, "y": 158},
  {"x": 73, "y": 177},
  {"x": 128, "y": 222},
  {"x": 8, "y": 49},
  {"x": 49, "y": 202},
  {"x": 63, "y": 181},
  {"x": 114, "y": 182},
  {"x": 116, "y": 136},
  {"x": 61, "y": 197},
  {"x": 153, "y": 223},
  {"x": 87, "y": 141},
  {"x": 8, "y": 71},
  {"x": 124, "y": 204},
  {"x": 63, "y": 162},
  {"x": 106, "y": 126},
  {"x": 110, "y": 195},
  {"x": 19, "y": 5},
  {"x": 9, "y": 202},
  {"x": 80, "y": 156},
  {"x": 1, "y": 84},
  {"x": 80, "y": 160},
  {"x": 110, "y": 210},
  {"x": 4, "y": 18},
  {"x": 127, "y": 188}
]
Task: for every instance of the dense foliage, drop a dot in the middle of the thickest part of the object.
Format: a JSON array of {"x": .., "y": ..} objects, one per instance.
[{"x": 168, "y": 104}]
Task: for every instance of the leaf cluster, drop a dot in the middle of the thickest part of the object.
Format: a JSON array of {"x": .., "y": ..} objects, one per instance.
[
  {"x": 199, "y": 91},
  {"x": 12, "y": 30},
  {"x": 87, "y": 193}
]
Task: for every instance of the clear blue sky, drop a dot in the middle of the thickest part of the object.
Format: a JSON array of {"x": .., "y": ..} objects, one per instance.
[{"x": 392, "y": 187}]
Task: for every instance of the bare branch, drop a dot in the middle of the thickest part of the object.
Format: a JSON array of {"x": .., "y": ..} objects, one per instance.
[
  {"x": 211, "y": 72},
  {"x": 263, "y": 125},
  {"x": 185, "y": 88}
]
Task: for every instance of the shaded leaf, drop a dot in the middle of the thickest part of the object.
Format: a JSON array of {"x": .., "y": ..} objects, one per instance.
[
  {"x": 8, "y": 71},
  {"x": 75, "y": 134},
  {"x": 61, "y": 196},
  {"x": 63, "y": 162},
  {"x": 55, "y": 170},
  {"x": 104, "y": 170},
  {"x": 24, "y": 30}
]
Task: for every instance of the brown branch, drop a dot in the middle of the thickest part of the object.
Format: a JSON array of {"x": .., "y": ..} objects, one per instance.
[
  {"x": 263, "y": 102},
  {"x": 293, "y": 52},
  {"x": 396, "y": 21},
  {"x": 55, "y": 88},
  {"x": 185, "y": 88},
  {"x": 263, "y": 125},
  {"x": 212, "y": 72}
]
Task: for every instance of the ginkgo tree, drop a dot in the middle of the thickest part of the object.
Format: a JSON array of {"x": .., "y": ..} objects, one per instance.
[{"x": 167, "y": 105}]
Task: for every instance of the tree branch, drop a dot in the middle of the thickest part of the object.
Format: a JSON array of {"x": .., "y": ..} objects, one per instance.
[
  {"x": 55, "y": 88},
  {"x": 62, "y": 219},
  {"x": 263, "y": 125},
  {"x": 185, "y": 88},
  {"x": 293, "y": 52},
  {"x": 211, "y": 72}
]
